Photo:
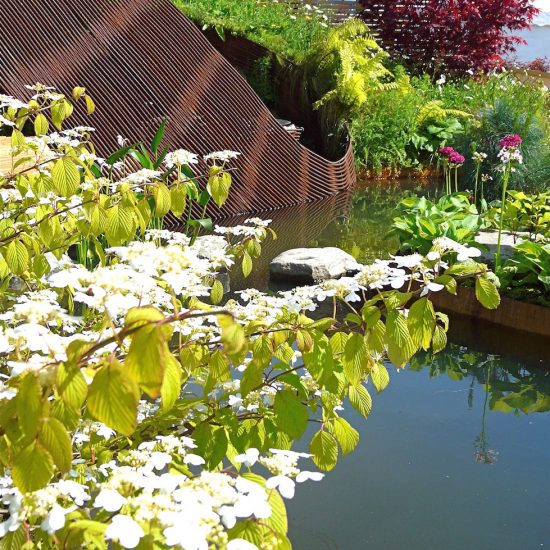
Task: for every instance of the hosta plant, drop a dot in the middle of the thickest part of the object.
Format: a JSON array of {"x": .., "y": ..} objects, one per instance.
[
  {"x": 142, "y": 408},
  {"x": 421, "y": 220}
]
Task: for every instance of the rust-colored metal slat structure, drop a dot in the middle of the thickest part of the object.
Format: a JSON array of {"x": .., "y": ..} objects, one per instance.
[{"x": 142, "y": 61}]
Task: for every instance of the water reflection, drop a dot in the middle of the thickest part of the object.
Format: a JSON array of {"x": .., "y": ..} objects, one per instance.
[
  {"x": 511, "y": 387},
  {"x": 419, "y": 475}
]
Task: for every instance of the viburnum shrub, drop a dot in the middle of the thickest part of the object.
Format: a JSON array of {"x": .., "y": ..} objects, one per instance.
[
  {"x": 450, "y": 35},
  {"x": 139, "y": 407}
]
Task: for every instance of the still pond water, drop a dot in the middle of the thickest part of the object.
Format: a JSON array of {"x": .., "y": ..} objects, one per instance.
[{"x": 456, "y": 453}]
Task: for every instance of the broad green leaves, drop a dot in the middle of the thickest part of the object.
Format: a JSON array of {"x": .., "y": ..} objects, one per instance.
[
  {"x": 32, "y": 468},
  {"x": 290, "y": 415},
  {"x": 54, "y": 438},
  {"x": 399, "y": 342},
  {"x": 360, "y": 399},
  {"x": 113, "y": 397},
  {"x": 487, "y": 293},
  {"x": 421, "y": 323},
  {"x": 65, "y": 177},
  {"x": 324, "y": 449}
]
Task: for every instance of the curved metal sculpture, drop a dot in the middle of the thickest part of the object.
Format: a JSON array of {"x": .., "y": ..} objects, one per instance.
[{"x": 143, "y": 61}]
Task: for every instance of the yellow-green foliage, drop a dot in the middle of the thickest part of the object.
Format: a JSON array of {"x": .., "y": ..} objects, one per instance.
[
  {"x": 434, "y": 111},
  {"x": 347, "y": 66}
]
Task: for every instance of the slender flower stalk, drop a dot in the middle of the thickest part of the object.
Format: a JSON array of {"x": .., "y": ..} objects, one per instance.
[{"x": 510, "y": 155}]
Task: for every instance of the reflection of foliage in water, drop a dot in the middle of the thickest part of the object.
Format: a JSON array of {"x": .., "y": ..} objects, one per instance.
[
  {"x": 511, "y": 387},
  {"x": 363, "y": 233}
]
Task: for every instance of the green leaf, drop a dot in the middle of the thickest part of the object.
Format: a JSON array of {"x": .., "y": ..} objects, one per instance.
[
  {"x": 65, "y": 177},
  {"x": 178, "y": 199},
  {"x": 421, "y": 322},
  {"x": 32, "y": 468},
  {"x": 439, "y": 341},
  {"x": 90, "y": 105},
  {"x": 157, "y": 138},
  {"x": 71, "y": 385},
  {"x": 55, "y": 439},
  {"x": 346, "y": 435},
  {"x": 163, "y": 200},
  {"x": 41, "y": 125},
  {"x": 324, "y": 449},
  {"x": 29, "y": 405},
  {"x": 291, "y": 414},
  {"x": 147, "y": 358},
  {"x": 13, "y": 540},
  {"x": 356, "y": 358},
  {"x": 17, "y": 257},
  {"x": 171, "y": 382},
  {"x": 113, "y": 398},
  {"x": 487, "y": 293},
  {"x": 380, "y": 377},
  {"x": 360, "y": 400},
  {"x": 401, "y": 346},
  {"x": 247, "y": 264},
  {"x": 58, "y": 113},
  {"x": 216, "y": 292},
  {"x": 120, "y": 226},
  {"x": 320, "y": 361}
]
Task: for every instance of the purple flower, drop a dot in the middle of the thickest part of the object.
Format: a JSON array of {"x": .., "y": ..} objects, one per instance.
[
  {"x": 456, "y": 158},
  {"x": 446, "y": 151},
  {"x": 510, "y": 142}
]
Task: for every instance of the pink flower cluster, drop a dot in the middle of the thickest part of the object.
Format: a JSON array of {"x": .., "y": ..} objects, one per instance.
[
  {"x": 510, "y": 142},
  {"x": 454, "y": 157}
]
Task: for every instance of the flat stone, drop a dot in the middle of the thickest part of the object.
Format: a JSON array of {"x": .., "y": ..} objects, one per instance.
[
  {"x": 507, "y": 243},
  {"x": 312, "y": 264}
]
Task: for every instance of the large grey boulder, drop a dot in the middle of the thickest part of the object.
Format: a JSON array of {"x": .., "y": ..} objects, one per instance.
[
  {"x": 490, "y": 239},
  {"x": 312, "y": 264}
]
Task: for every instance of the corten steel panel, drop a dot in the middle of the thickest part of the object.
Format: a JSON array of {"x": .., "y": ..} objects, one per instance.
[{"x": 142, "y": 61}]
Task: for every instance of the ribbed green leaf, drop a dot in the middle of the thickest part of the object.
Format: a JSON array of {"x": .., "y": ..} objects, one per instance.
[{"x": 324, "y": 449}]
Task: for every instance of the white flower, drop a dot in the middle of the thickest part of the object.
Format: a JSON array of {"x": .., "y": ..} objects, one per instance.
[
  {"x": 240, "y": 544},
  {"x": 124, "y": 530},
  {"x": 159, "y": 460},
  {"x": 248, "y": 458},
  {"x": 55, "y": 519},
  {"x": 180, "y": 157},
  {"x": 222, "y": 156},
  {"x": 285, "y": 485},
  {"x": 110, "y": 500},
  {"x": 194, "y": 460},
  {"x": 313, "y": 476}
]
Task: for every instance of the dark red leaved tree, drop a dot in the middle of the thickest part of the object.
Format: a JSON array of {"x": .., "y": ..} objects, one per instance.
[{"x": 449, "y": 35}]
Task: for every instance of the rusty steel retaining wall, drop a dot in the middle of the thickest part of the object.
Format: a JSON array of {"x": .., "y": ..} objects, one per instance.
[{"x": 142, "y": 61}]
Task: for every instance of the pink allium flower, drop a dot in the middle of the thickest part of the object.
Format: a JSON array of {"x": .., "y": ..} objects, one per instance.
[
  {"x": 446, "y": 151},
  {"x": 456, "y": 158},
  {"x": 510, "y": 142}
]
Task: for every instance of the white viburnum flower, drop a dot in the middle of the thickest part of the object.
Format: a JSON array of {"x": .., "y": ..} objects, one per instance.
[
  {"x": 124, "y": 530},
  {"x": 110, "y": 500},
  {"x": 248, "y": 458}
]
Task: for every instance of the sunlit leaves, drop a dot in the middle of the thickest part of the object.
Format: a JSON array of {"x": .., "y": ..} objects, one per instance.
[
  {"x": 290, "y": 415},
  {"x": 55, "y": 439},
  {"x": 65, "y": 177},
  {"x": 360, "y": 399},
  {"x": 487, "y": 293},
  {"x": 29, "y": 405},
  {"x": 346, "y": 435},
  {"x": 113, "y": 397},
  {"x": 399, "y": 342},
  {"x": 32, "y": 468},
  {"x": 17, "y": 257},
  {"x": 324, "y": 449},
  {"x": 421, "y": 323}
]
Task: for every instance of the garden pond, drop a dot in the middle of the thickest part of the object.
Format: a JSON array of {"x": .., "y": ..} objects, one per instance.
[{"x": 456, "y": 451}]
